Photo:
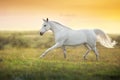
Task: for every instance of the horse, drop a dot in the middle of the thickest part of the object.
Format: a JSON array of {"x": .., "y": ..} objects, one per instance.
[{"x": 65, "y": 36}]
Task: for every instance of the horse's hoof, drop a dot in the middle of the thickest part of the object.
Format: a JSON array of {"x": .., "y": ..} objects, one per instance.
[
  {"x": 41, "y": 56},
  {"x": 85, "y": 59},
  {"x": 97, "y": 59},
  {"x": 1, "y": 60}
]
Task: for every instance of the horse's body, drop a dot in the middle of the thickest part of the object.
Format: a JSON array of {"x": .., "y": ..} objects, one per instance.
[
  {"x": 78, "y": 37},
  {"x": 65, "y": 36}
]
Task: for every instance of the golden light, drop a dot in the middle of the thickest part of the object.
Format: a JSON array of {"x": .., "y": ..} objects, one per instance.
[{"x": 28, "y": 14}]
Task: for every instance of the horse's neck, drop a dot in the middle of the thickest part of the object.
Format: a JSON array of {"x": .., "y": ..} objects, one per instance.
[{"x": 56, "y": 27}]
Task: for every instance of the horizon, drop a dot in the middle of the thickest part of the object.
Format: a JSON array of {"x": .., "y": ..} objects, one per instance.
[{"x": 27, "y": 15}]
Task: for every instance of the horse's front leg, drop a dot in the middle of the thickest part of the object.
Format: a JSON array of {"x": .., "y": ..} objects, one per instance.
[{"x": 51, "y": 48}]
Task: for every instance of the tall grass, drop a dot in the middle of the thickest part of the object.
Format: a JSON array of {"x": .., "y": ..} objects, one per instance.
[
  {"x": 24, "y": 40},
  {"x": 19, "y": 60}
]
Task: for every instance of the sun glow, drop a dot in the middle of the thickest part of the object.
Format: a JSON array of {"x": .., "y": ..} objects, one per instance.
[{"x": 28, "y": 14}]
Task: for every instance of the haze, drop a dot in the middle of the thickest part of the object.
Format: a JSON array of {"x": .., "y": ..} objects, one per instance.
[{"x": 22, "y": 15}]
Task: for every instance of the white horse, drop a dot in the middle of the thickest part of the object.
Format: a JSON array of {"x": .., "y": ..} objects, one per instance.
[{"x": 65, "y": 36}]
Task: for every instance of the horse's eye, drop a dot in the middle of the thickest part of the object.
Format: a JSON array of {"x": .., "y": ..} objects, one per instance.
[{"x": 44, "y": 25}]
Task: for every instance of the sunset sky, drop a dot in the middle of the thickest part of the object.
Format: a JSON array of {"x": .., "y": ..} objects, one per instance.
[{"x": 22, "y": 15}]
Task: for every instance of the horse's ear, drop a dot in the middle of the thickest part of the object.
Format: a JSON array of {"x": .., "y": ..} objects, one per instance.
[
  {"x": 44, "y": 20},
  {"x": 47, "y": 19}
]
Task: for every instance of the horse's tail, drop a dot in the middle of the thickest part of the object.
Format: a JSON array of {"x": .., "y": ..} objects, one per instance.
[{"x": 104, "y": 39}]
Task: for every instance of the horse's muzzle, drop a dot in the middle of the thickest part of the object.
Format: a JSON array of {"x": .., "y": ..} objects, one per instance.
[{"x": 41, "y": 33}]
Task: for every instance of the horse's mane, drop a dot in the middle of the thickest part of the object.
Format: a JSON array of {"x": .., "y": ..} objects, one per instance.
[{"x": 60, "y": 24}]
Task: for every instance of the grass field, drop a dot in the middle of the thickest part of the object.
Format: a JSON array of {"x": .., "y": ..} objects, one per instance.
[{"x": 19, "y": 59}]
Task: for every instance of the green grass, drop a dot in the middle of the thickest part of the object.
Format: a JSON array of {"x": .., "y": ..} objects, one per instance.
[{"x": 23, "y": 63}]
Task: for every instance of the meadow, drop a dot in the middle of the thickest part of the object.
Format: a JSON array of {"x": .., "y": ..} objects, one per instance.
[{"x": 20, "y": 51}]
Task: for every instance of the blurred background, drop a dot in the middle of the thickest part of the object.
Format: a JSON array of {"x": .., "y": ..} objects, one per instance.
[
  {"x": 27, "y": 15},
  {"x": 21, "y": 45}
]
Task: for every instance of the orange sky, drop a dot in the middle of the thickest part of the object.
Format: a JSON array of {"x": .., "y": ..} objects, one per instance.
[{"x": 28, "y": 14}]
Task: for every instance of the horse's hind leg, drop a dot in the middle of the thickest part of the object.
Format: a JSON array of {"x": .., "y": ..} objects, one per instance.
[
  {"x": 64, "y": 51},
  {"x": 96, "y": 53},
  {"x": 88, "y": 50}
]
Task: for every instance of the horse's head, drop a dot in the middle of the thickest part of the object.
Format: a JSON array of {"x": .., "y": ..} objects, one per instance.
[{"x": 45, "y": 26}]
